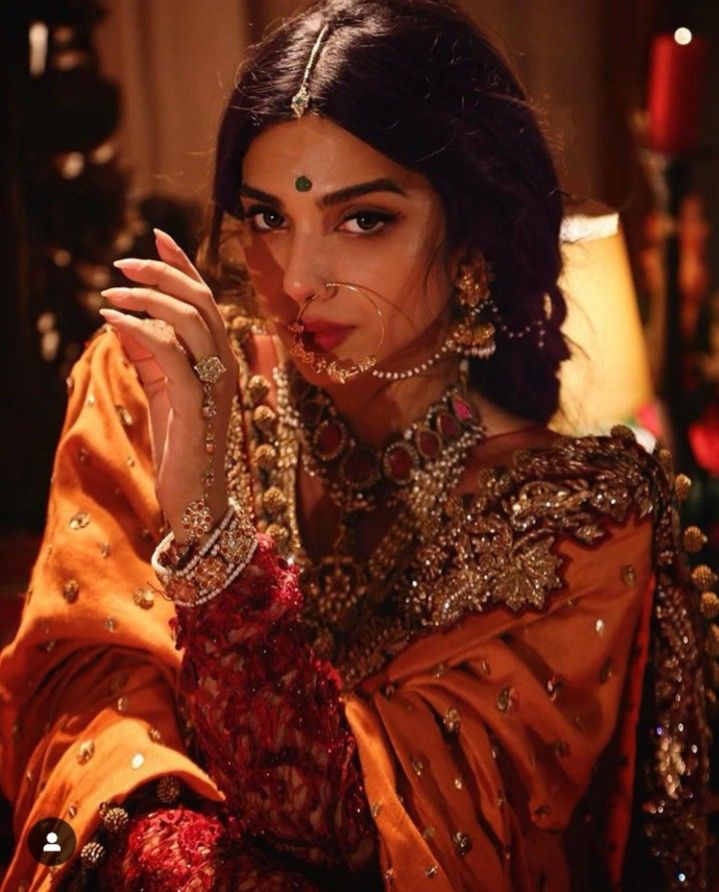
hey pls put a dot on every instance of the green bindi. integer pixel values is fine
(303, 184)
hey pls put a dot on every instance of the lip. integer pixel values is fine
(328, 338)
(322, 327)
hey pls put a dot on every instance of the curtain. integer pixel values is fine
(175, 61)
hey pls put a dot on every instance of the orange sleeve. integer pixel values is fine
(89, 707)
(478, 743)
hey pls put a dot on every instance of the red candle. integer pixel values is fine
(675, 85)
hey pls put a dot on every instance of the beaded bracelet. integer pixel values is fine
(217, 563)
(175, 558)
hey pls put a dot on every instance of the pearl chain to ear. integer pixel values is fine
(510, 333)
(519, 332)
(422, 367)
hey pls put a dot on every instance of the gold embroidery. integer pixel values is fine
(497, 547)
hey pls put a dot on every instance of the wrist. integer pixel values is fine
(217, 503)
(195, 573)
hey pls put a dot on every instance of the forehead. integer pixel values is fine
(322, 150)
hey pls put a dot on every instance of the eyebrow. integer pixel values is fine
(325, 201)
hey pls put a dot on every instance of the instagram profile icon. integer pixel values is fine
(51, 841)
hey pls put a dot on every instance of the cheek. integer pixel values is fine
(265, 272)
(408, 283)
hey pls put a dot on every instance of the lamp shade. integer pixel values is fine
(610, 380)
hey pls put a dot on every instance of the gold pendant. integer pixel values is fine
(339, 583)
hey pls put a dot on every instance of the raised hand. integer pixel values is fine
(185, 327)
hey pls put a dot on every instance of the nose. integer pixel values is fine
(302, 274)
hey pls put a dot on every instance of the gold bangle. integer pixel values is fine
(218, 563)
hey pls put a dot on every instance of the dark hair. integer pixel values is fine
(418, 81)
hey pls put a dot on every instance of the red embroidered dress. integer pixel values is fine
(271, 723)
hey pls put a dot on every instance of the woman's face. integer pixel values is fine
(382, 236)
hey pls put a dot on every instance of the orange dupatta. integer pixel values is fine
(87, 685)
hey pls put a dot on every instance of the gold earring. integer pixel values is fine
(473, 281)
(473, 337)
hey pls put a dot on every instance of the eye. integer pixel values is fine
(370, 222)
(270, 217)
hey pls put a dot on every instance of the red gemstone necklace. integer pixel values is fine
(359, 471)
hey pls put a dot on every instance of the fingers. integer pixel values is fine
(164, 359)
(170, 251)
(152, 379)
(185, 318)
(175, 275)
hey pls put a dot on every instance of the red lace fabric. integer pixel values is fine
(270, 721)
(177, 848)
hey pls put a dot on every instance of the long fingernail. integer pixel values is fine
(167, 240)
(128, 263)
(165, 237)
(116, 293)
(113, 314)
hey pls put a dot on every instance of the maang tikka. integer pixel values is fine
(301, 99)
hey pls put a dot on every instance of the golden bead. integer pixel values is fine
(241, 326)
(258, 387)
(703, 577)
(682, 485)
(168, 789)
(115, 820)
(265, 418)
(92, 854)
(623, 432)
(279, 533)
(274, 500)
(694, 539)
(265, 456)
(709, 604)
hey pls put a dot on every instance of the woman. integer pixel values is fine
(417, 625)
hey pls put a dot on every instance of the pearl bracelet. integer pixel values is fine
(218, 563)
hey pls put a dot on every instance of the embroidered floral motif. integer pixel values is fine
(497, 548)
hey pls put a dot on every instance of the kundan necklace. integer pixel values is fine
(359, 470)
(422, 465)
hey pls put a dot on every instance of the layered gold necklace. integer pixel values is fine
(421, 467)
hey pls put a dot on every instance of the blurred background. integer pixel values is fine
(108, 117)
